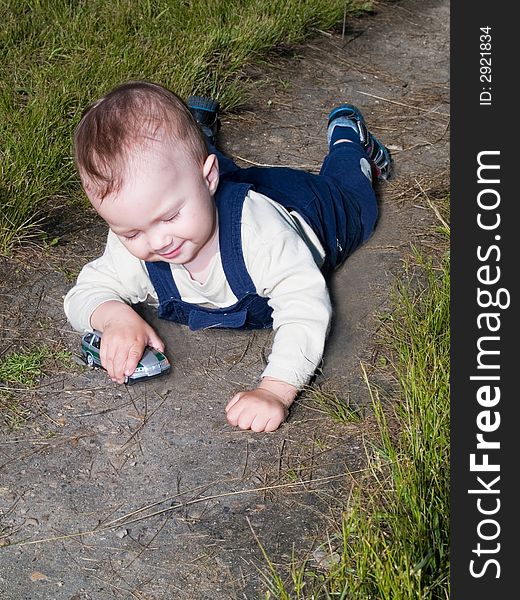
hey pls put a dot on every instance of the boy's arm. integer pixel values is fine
(116, 276)
(283, 269)
(301, 317)
(100, 300)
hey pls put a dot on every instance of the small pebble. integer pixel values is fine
(122, 533)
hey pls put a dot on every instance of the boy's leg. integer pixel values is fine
(205, 112)
(339, 203)
(347, 168)
(355, 158)
(347, 123)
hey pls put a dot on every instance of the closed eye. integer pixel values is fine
(130, 236)
(172, 218)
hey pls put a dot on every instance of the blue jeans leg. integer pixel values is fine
(347, 165)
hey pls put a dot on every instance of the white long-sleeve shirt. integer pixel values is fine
(282, 255)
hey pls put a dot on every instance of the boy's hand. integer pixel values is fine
(263, 409)
(125, 336)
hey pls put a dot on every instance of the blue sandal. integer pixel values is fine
(377, 153)
(205, 112)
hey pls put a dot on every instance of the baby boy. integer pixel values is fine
(214, 245)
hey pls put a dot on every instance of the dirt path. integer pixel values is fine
(96, 457)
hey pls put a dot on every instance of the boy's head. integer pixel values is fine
(144, 165)
(130, 117)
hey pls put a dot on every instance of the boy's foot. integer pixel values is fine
(348, 115)
(205, 112)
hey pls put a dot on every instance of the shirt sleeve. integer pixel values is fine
(282, 265)
(116, 275)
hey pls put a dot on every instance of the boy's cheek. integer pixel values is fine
(137, 250)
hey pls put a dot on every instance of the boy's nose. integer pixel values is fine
(160, 241)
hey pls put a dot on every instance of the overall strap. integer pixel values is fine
(162, 280)
(230, 201)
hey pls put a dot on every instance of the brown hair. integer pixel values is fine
(131, 113)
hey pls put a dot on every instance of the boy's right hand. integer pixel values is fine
(125, 336)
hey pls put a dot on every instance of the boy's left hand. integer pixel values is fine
(262, 409)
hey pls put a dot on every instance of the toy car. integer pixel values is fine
(152, 364)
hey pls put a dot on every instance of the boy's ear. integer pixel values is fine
(210, 173)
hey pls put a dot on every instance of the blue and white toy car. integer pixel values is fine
(152, 364)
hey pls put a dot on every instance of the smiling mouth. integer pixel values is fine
(173, 253)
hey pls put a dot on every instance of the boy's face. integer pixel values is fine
(165, 209)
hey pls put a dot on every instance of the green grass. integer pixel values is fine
(393, 541)
(56, 56)
(339, 409)
(18, 370)
(22, 368)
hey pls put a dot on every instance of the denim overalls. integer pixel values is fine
(339, 204)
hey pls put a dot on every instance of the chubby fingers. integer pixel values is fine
(235, 411)
(135, 352)
(154, 341)
(241, 415)
(255, 411)
(120, 360)
(233, 401)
